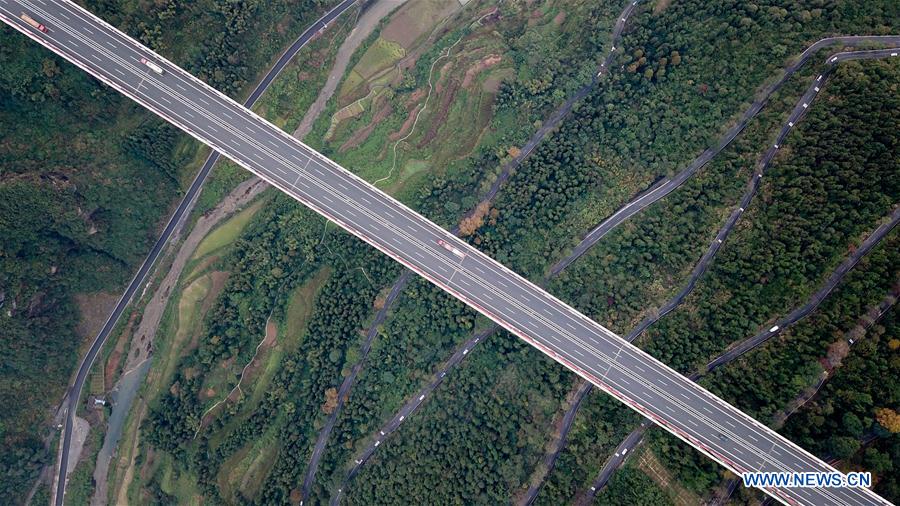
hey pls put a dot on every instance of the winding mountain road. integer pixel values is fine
(548, 125)
(746, 345)
(73, 394)
(627, 373)
(667, 185)
(657, 192)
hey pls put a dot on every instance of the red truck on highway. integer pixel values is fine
(28, 19)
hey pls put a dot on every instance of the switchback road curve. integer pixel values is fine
(668, 185)
(693, 414)
(552, 121)
(74, 392)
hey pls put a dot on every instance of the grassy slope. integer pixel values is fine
(665, 150)
(82, 192)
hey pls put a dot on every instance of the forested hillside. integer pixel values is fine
(642, 125)
(829, 218)
(229, 428)
(85, 178)
(210, 447)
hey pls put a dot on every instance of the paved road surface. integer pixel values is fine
(74, 393)
(746, 345)
(687, 410)
(667, 185)
(552, 121)
(549, 460)
(346, 385)
(559, 114)
(753, 187)
(801, 312)
(615, 460)
(408, 408)
(799, 110)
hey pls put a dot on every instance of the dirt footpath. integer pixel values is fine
(140, 344)
(239, 197)
(365, 25)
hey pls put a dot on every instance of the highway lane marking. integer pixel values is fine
(188, 113)
(117, 71)
(179, 86)
(228, 116)
(204, 101)
(164, 99)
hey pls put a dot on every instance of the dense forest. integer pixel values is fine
(837, 181)
(767, 380)
(282, 248)
(85, 180)
(842, 419)
(304, 380)
(549, 189)
(683, 75)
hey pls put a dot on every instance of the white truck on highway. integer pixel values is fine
(452, 249)
(153, 66)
